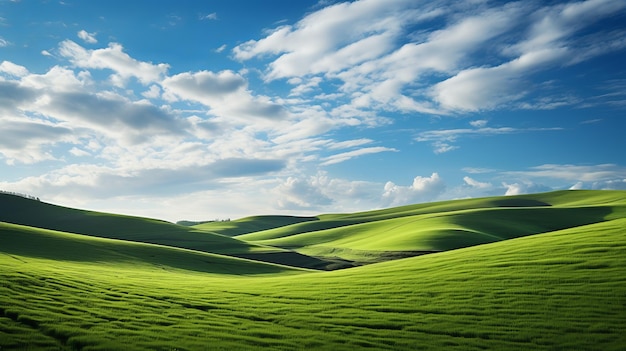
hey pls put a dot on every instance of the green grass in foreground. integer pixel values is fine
(564, 290)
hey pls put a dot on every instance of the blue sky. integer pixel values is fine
(222, 109)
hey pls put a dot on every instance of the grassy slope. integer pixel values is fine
(251, 224)
(18, 210)
(557, 291)
(29, 242)
(377, 235)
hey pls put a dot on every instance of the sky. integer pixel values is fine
(203, 110)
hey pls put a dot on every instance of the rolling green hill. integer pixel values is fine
(28, 212)
(28, 242)
(252, 224)
(412, 230)
(564, 290)
(538, 272)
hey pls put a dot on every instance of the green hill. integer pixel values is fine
(412, 230)
(28, 212)
(252, 224)
(562, 290)
(27, 242)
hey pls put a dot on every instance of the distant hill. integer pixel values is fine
(252, 224)
(374, 236)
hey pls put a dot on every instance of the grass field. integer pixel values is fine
(563, 289)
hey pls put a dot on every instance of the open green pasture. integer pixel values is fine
(538, 272)
(563, 290)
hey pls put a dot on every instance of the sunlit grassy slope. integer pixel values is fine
(252, 224)
(410, 230)
(564, 290)
(28, 242)
(18, 210)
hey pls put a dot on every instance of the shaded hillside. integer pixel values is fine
(24, 243)
(28, 212)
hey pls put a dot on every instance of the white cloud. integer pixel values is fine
(349, 143)
(524, 188)
(546, 45)
(4, 42)
(476, 184)
(27, 141)
(113, 58)
(345, 156)
(129, 122)
(13, 69)
(58, 79)
(442, 139)
(477, 170)
(89, 38)
(478, 123)
(322, 193)
(313, 46)
(221, 48)
(577, 186)
(423, 189)
(153, 93)
(437, 71)
(300, 194)
(224, 92)
(440, 147)
(487, 88)
(578, 173)
(205, 87)
(613, 184)
(210, 16)
(79, 152)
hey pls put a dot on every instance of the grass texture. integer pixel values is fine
(562, 289)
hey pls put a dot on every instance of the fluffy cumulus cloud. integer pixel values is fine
(225, 93)
(113, 58)
(13, 69)
(423, 189)
(89, 38)
(475, 183)
(323, 193)
(524, 188)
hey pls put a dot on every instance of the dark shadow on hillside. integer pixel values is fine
(295, 259)
(517, 202)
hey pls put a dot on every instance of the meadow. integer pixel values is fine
(544, 281)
